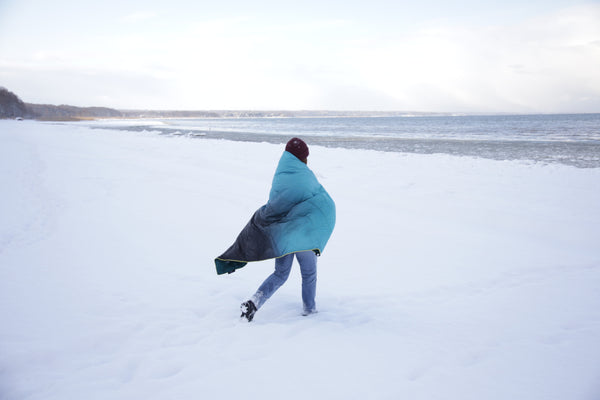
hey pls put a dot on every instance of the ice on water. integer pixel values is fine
(571, 139)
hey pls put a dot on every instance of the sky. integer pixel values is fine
(535, 56)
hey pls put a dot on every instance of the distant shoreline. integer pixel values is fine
(73, 114)
(12, 107)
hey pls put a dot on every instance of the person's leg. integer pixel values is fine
(308, 268)
(283, 266)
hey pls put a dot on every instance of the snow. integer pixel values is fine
(446, 277)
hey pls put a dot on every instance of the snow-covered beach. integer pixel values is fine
(446, 277)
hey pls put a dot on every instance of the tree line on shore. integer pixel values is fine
(12, 107)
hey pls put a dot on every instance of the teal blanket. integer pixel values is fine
(299, 216)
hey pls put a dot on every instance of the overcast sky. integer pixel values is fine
(426, 55)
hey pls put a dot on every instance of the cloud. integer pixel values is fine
(139, 16)
(532, 66)
(543, 64)
(86, 87)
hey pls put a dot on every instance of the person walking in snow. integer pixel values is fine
(296, 222)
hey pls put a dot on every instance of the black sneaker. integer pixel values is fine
(248, 310)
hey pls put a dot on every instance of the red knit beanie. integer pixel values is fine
(298, 148)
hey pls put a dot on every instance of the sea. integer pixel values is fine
(571, 139)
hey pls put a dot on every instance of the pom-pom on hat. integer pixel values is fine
(298, 148)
